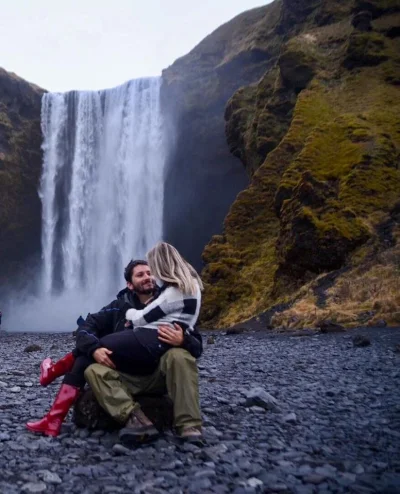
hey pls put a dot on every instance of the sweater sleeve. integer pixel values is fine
(171, 300)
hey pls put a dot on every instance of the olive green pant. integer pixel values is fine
(176, 374)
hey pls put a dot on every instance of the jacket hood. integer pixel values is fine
(122, 292)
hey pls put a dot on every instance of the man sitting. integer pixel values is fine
(176, 374)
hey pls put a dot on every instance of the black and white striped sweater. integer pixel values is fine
(171, 306)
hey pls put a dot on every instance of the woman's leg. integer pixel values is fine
(50, 371)
(75, 376)
(50, 424)
(73, 382)
(128, 354)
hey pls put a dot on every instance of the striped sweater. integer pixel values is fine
(171, 306)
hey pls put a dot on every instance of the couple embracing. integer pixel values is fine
(145, 341)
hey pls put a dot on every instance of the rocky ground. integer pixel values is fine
(335, 425)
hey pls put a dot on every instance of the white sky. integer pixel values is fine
(94, 44)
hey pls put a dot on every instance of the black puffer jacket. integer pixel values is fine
(111, 319)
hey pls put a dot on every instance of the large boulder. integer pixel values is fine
(88, 413)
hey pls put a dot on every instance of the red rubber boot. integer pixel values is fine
(50, 371)
(50, 425)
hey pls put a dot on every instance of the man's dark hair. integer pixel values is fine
(128, 271)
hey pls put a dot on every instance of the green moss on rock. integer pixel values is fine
(297, 64)
(322, 190)
(368, 49)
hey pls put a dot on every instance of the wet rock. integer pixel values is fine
(254, 482)
(34, 487)
(32, 348)
(119, 449)
(214, 452)
(235, 330)
(259, 397)
(362, 21)
(290, 418)
(359, 469)
(314, 478)
(49, 477)
(331, 327)
(361, 341)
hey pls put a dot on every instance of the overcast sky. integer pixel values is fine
(93, 44)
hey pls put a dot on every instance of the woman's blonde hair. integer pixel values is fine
(168, 265)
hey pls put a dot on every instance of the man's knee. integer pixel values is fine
(96, 370)
(178, 357)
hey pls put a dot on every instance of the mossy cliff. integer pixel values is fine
(20, 167)
(320, 138)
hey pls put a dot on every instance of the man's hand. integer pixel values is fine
(173, 337)
(101, 357)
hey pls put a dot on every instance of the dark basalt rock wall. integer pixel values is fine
(20, 168)
(203, 177)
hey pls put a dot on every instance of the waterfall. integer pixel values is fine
(101, 190)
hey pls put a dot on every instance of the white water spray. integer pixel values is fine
(102, 196)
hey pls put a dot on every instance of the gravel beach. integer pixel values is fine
(282, 413)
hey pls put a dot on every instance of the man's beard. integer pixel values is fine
(143, 291)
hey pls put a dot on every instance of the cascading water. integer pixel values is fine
(102, 193)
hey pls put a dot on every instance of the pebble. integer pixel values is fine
(49, 477)
(259, 397)
(337, 428)
(34, 487)
(254, 482)
(290, 418)
(313, 478)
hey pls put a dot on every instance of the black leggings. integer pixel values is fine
(76, 375)
(128, 355)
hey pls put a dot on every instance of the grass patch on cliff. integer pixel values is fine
(365, 294)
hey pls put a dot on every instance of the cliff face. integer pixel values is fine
(203, 177)
(20, 166)
(319, 136)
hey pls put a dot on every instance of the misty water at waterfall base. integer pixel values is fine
(102, 190)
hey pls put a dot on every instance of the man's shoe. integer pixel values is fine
(192, 435)
(138, 429)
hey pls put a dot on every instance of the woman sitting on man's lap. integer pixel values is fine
(136, 350)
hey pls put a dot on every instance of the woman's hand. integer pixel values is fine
(101, 357)
(173, 337)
